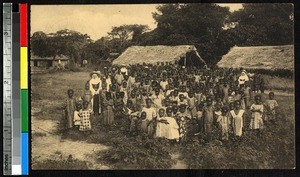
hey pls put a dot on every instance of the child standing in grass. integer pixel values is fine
(182, 119)
(77, 119)
(150, 117)
(237, 121)
(208, 117)
(223, 122)
(85, 116)
(271, 105)
(107, 109)
(87, 95)
(257, 110)
(70, 108)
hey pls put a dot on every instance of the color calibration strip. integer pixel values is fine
(24, 88)
(15, 89)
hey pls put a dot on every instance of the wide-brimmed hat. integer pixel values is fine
(95, 72)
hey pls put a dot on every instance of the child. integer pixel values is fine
(208, 117)
(151, 115)
(237, 121)
(119, 105)
(199, 117)
(77, 120)
(257, 110)
(144, 122)
(161, 127)
(87, 95)
(134, 120)
(192, 104)
(107, 108)
(157, 99)
(124, 89)
(223, 122)
(182, 119)
(85, 115)
(271, 105)
(173, 133)
(247, 93)
(182, 100)
(70, 108)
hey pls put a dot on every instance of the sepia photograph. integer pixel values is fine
(162, 86)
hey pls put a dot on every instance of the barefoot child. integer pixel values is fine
(77, 120)
(70, 108)
(223, 122)
(150, 117)
(182, 119)
(85, 115)
(257, 110)
(107, 109)
(271, 105)
(237, 121)
(208, 116)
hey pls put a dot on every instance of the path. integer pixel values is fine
(180, 164)
(47, 145)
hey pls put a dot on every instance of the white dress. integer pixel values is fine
(256, 118)
(237, 122)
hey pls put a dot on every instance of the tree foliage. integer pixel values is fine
(263, 24)
(211, 28)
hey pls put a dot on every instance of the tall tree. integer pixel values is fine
(263, 24)
(190, 24)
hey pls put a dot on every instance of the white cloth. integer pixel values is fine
(94, 81)
(243, 78)
(237, 122)
(150, 113)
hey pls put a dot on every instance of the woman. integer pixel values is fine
(95, 87)
(243, 78)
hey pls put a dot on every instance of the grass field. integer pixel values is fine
(275, 148)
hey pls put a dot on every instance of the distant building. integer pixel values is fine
(185, 55)
(47, 62)
(259, 57)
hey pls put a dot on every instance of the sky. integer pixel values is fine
(94, 20)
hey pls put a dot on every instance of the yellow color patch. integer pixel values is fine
(24, 68)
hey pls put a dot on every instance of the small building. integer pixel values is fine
(47, 62)
(259, 57)
(185, 55)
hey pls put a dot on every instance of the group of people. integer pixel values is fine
(173, 102)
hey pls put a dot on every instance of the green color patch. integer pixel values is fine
(24, 109)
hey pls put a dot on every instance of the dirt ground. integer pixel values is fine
(46, 144)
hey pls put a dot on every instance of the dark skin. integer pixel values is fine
(70, 93)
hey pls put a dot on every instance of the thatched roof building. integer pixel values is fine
(259, 57)
(183, 54)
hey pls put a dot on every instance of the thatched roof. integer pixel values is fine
(154, 54)
(259, 57)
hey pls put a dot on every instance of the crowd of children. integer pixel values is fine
(173, 102)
